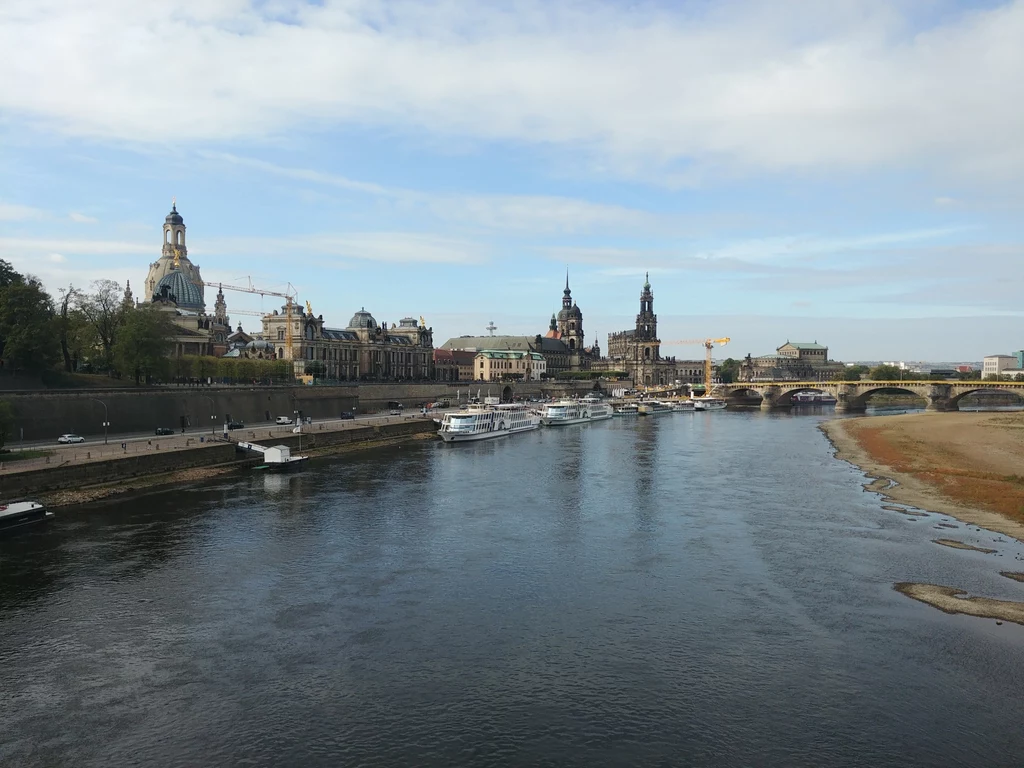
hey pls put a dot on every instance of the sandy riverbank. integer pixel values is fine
(967, 465)
(952, 600)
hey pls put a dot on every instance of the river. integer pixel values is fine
(691, 589)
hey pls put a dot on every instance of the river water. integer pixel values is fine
(692, 589)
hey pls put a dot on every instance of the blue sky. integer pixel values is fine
(847, 172)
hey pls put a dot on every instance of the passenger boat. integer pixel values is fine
(566, 412)
(21, 514)
(683, 406)
(480, 422)
(708, 404)
(627, 409)
(654, 408)
(813, 398)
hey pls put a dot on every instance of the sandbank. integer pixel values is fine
(966, 465)
(950, 600)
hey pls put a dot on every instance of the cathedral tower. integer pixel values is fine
(570, 320)
(647, 325)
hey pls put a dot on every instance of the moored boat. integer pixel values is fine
(627, 410)
(654, 408)
(22, 514)
(808, 397)
(565, 412)
(481, 422)
(683, 406)
(708, 404)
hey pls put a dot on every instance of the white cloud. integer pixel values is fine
(519, 213)
(10, 212)
(29, 245)
(734, 87)
(81, 218)
(57, 258)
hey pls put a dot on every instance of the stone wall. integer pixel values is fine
(59, 477)
(45, 415)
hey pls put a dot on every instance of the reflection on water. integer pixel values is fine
(691, 589)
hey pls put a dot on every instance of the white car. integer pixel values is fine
(284, 420)
(68, 439)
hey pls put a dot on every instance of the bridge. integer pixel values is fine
(852, 396)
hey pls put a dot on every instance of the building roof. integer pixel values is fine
(185, 293)
(521, 343)
(508, 354)
(803, 345)
(336, 334)
(174, 217)
(362, 319)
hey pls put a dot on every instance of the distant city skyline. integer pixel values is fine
(844, 172)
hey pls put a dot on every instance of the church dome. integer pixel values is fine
(186, 294)
(362, 319)
(174, 217)
(259, 344)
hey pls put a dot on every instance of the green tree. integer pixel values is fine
(27, 326)
(143, 342)
(728, 371)
(106, 312)
(852, 373)
(972, 375)
(886, 373)
(6, 422)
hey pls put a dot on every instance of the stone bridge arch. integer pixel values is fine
(954, 400)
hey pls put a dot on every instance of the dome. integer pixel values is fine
(259, 344)
(174, 217)
(362, 319)
(185, 293)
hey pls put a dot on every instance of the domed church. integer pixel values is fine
(176, 287)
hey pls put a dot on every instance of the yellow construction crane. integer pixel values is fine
(289, 297)
(708, 345)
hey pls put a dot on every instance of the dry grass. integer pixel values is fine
(972, 459)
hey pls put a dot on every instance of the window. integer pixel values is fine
(280, 334)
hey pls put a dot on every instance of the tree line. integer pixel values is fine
(93, 331)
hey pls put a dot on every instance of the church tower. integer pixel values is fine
(220, 309)
(570, 320)
(173, 258)
(649, 346)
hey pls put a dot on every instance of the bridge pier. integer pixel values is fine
(848, 407)
(941, 405)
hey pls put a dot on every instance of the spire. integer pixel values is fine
(174, 205)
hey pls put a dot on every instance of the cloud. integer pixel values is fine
(389, 247)
(9, 212)
(521, 213)
(681, 92)
(57, 258)
(81, 218)
(29, 245)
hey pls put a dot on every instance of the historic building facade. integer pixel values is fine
(364, 350)
(793, 361)
(562, 347)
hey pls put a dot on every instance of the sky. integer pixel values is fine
(847, 172)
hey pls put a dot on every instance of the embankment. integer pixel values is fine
(968, 465)
(169, 465)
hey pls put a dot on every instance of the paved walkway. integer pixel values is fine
(97, 451)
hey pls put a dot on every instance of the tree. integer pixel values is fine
(728, 371)
(106, 312)
(6, 422)
(852, 373)
(886, 373)
(143, 341)
(8, 275)
(66, 322)
(972, 375)
(27, 326)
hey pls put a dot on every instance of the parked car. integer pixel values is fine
(348, 414)
(164, 431)
(236, 425)
(284, 420)
(68, 439)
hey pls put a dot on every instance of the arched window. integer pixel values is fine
(177, 237)
(167, 237)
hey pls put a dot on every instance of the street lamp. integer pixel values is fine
(106, 419)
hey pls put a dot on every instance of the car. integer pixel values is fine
(236, 425)
(164, 431)
(394, 412)
(348, 414)
(284, 420)
(68, 439)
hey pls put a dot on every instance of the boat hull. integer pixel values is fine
(17, 517)
(470, 437)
